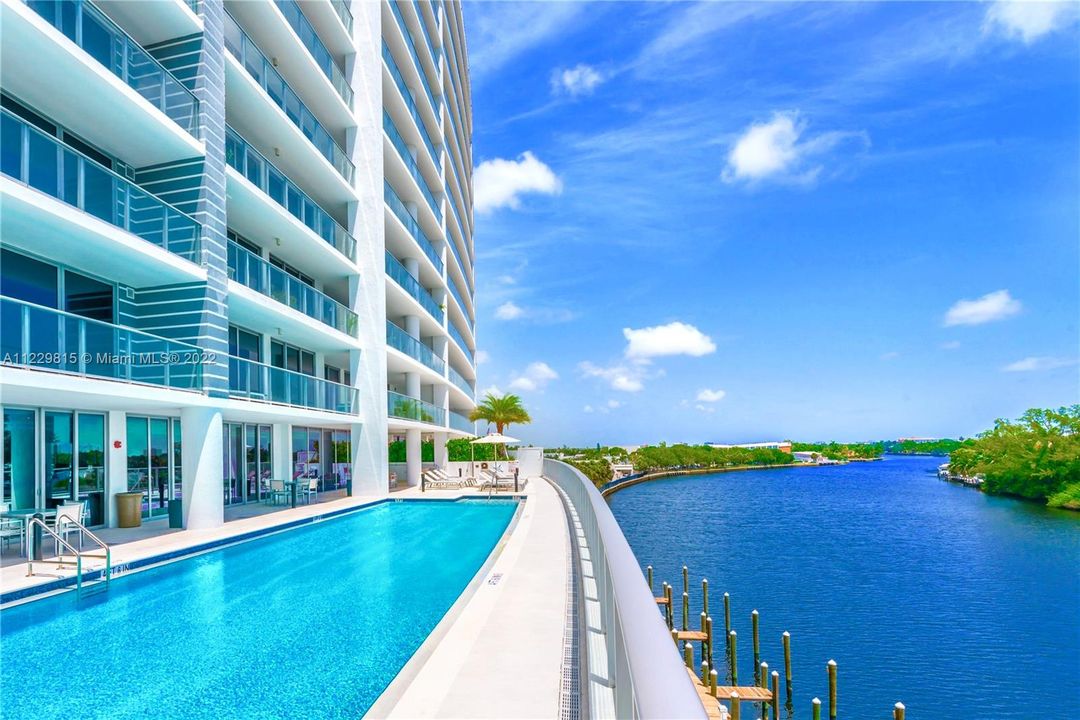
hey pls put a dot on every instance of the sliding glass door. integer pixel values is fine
(246, 462)
(153, 445)
(20, 457)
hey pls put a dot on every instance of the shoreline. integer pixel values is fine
(660, 474)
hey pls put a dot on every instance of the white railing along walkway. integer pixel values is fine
(629, 654)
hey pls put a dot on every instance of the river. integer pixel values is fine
(959, 604)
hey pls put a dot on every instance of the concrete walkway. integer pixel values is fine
(501, 656)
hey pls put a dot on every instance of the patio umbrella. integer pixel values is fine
(489, 439)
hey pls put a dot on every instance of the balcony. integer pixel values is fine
(405, 343)
(465, 309)
(412, 286)
(70, 62)
(402, 213)
(256, 381)
(462, 384)
(319, 53)
(407, 408)
(341, 7)
(261, 173)
(421, 70)
(460, 227)
(42, 338)
(462, 423)
(254, 272)
(410, 103)
(284, 97)
(41, 162)
(403, 152)
(427, 35)
(456, 334)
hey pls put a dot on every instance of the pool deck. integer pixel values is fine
(498, 653)
(501, 655)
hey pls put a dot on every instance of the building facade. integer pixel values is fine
(236, 248)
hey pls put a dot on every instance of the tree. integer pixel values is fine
(501, 411)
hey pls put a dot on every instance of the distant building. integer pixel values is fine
(918, 439)
(781, 445)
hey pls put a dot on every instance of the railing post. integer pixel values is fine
(82, 348)
(24, 341)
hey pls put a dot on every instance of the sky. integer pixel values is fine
(737, 222)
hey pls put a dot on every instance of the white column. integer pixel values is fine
(204, 502)
(116, 468)
(281, 467)
(412, 385)
(413, 464)
(412, 325)
(440, 398)
(441, 454)
(412, 266)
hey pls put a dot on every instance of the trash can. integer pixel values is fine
(176, 513)
(129, 509)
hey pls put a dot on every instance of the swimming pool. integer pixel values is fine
(312, 622)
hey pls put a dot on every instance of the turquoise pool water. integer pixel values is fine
(310, 623)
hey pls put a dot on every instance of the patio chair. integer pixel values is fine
(437, 478)
(309, 490)
(67, 517)
(10, 528)
(277, 492)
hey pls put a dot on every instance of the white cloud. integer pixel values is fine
(1034, 364)
(675, 338)
(951, 345)
(705, 408)
(588, 409)
(482, 357)
(614, 404)
(490, 390)
(579, 80)
(997, 305)
(535, 377)
(499, 32)
(710, 396)
(776, 150)
(508, 311)
(623, 378)
(1028, 20)
(506, 279)
(499, 183)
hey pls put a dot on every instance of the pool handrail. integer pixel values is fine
(649, 678)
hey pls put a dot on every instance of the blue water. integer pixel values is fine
(310, 623)
(959, 604)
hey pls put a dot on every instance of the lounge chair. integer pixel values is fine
(437, 478)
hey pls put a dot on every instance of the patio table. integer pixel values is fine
(23, 515)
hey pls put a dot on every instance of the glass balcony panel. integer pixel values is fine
(71, 177)
(256, 273)
(409, 43)
(464, 385)
(344, 13)
(456, 334)
(261, 173)
(410, 102)
(410, 162)
(103, 40)
(402, 341)
(279, 91)
(44, 338)
(310, 40)
(403, 406)
(257, 381)
(410, 223)
(462, 423)
(401, 276)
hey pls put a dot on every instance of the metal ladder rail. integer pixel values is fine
(78, 554)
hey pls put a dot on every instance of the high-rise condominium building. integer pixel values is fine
(237, 249)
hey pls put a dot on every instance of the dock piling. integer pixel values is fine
(705, 596)
(757, 643)
(685, 610)
(669, 610)
(733, 657)
(727, 629)
(734, 706)
(787, 672)
(815, 712)
(705, 673)
(708, 637)
(688, 655)
(685, 579)
(764, 683)
(713, 675)
(775, 695)
(648, 574)
(832, 690)
(898, 711)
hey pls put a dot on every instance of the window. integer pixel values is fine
(26, 279)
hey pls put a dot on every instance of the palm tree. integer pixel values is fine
(502, 411)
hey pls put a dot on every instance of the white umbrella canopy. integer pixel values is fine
(494, 439)
(491, 439)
